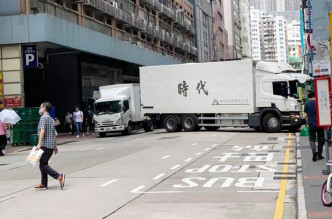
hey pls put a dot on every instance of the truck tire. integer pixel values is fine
(271, 123)
(211, 128)
(171, 123)
(188, 122)
(102, 134)
(128, 130)
(148, 126)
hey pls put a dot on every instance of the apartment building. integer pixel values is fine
(83, 44)
(220, 33)
(204, 29)
(255, 30)
(233, 26)
(294, 39)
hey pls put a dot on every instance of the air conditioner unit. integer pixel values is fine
(114, 4)
(139, 44)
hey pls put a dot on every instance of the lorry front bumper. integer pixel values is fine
(117, 128)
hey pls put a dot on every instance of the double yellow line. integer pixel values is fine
(282, 192)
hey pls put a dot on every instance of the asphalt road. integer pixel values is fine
(220, 174)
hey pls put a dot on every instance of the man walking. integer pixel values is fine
(46, 142)
(310, 113)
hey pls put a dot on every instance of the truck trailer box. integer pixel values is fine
(217, 87)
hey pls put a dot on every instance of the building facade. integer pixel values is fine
(220, 33)
(81, 45)
(233, 27)
(204, 30)
(294, 39)
(255, 30)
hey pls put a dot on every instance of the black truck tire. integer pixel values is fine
(171, 123)
(188, 122)
(271, 123)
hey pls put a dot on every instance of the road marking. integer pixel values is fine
(259, 191)
(137, 190)
(282, 191)
(159, 176)
(109, 182)
(189, 159)
(199, 153)
(138, 139)
(214, 135)
(214, 145)
(164, 157)
(99, 149)
(176, 166)
(194, 144)
(206, 149)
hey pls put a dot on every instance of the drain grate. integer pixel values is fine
(285, 178)
(288, 173)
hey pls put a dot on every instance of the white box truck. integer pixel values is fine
(118, 110)
(243, 93)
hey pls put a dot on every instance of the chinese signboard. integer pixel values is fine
(13, 101)
(323, 103)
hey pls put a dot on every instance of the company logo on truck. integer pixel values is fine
(184, 87)
(230, 101)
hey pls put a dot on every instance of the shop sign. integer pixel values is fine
(15, 101)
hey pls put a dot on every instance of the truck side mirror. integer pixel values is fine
(125, 105)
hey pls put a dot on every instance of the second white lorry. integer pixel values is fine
(118, 110)
(242, 93)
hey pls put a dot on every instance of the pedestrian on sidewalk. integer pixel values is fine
(78, 118)
(310, 114)
(89, 121)
(46, 142)
(68, 121)
(3, 138)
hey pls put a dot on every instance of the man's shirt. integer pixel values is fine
(47, 124)
(310, 110)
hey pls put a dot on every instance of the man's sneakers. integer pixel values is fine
(61, 179)
(314, 156)
(41, 186)
(320, 157)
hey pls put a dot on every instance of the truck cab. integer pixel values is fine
(118, 110)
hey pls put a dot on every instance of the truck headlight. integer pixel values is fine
(119, 121)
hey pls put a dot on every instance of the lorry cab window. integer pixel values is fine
(293, 89)
(279, 87)
(108, 107)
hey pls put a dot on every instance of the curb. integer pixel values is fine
(301, 206)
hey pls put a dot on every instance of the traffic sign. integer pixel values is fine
(30, 56)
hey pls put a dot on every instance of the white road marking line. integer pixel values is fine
(175, 167)
(109, 182)
(189, 159)
(214, 135)
(164, 157)
(159, 176)
(99, 149)
(138, 139)
(206, 149)
(194, 144)
(137, 189)
(214, 145)
(199, 153)
(258, 191)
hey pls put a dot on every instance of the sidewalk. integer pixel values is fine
(311, 174)
(61, 139)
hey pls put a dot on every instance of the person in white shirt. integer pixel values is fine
(78, 119)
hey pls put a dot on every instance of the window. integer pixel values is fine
(278, 86)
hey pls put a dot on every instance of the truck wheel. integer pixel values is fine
(211, 128)
(271, 123)
(188, 122)
(102, 134)
(128, 130)
(171, 123)
(148, 126)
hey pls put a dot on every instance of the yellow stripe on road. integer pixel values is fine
(282, 192)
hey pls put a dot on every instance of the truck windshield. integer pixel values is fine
(108, 107)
